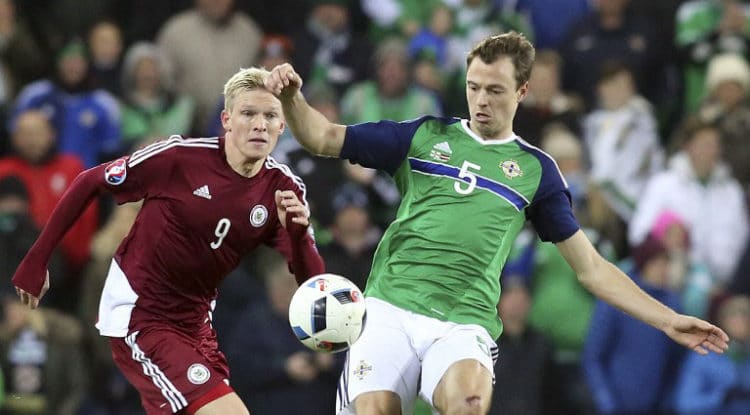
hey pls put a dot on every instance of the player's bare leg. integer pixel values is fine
(378, 403)
(229, 404)
(464, 389)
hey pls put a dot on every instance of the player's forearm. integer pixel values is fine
(31, 273)
(306, 261)
(311, 128)
(608, 283)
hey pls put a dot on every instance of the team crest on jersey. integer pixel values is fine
(116, 172)
(198, 374)
(258, 215)
(511, 169)
(441, 151)
(362, 370)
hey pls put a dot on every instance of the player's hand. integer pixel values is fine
(287, 204)
(697, 335)
(284, 81)
(29, 299)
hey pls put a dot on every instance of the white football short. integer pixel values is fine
(407, 353)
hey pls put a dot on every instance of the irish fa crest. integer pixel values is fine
(258, 215)
(362, 370)
(511, 169)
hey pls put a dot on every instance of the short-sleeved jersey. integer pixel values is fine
(464, 200)
(199, 218)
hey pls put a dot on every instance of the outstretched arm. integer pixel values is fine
(610, 284)
(316, 133)
(31, 278)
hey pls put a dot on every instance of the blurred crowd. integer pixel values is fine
(644, 104)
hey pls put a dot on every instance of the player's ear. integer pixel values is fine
(523, 91)
(225, 120)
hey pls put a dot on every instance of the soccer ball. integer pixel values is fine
(327, 313)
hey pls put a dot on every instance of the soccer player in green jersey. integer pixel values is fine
(467, 187)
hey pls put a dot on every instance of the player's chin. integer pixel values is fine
(255, 152)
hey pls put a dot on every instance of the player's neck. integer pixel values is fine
(241, 164)
(484, 135)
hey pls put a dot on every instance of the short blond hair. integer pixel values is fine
(246, 79)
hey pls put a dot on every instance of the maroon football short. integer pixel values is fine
(170, 369)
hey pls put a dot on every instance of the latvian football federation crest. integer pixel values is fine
(441, 151)
(511, 169)
(258, 215)
(198, 374)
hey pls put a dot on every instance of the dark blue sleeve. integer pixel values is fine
(551, 210)
(380, 145)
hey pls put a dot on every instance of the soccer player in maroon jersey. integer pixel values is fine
(206, 203)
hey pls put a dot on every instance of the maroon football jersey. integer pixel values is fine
(199, 218)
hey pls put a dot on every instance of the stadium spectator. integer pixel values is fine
(630, 367)
(211, 32)
(546, 103)
(87, 120)
(611, 31)
(550, 19)
(526, 380)
(699, 187)
(704, 29)
(106, 47)
(42, 360)
(354, 237)
(391, 96)
(688, 275)
(727, 105)
(47, 175)
(151, 107)
(23, 59)
(327, 50)
(720, 384)
(622, 140)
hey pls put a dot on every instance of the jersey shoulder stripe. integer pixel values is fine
(543, 157)
(505, 192)
(271, 163)
(149, 151)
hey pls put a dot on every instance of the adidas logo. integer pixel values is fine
(444, 147)
(202, 192)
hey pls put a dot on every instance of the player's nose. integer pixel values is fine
(259, 124)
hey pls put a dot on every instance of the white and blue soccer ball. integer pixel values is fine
(327, 313)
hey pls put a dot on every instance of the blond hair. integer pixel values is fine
(246, 79)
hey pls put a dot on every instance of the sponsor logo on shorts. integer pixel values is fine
(362, 370)
(198, 374)
(116, 172)
(258, 215)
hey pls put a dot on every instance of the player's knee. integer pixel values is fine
(466, 405)
(378, 403)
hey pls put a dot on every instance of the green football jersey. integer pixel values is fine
(464, 201)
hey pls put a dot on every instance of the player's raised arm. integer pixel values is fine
(310, 127)
(610, 284)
